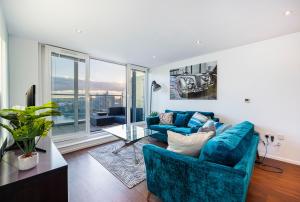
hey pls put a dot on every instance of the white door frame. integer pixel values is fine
(46, 75)
(130, 67)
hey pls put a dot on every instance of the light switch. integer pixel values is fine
(247, 100)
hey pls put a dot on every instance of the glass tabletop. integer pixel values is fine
(129, 132)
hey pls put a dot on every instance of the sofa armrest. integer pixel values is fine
(152, 120)
(176, 177)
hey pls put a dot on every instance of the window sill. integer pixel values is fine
(84, 142)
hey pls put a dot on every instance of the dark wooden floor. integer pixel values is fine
(90, 182)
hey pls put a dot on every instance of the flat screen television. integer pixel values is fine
(30, 96)
(30, 101)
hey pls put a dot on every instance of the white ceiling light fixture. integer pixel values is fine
(154, 57)
(198, 42)
(287, 13)
(79, 31)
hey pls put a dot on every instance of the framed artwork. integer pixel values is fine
(194, 82)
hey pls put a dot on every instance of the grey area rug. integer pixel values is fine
(123, 164)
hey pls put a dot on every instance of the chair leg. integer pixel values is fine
(148, 196)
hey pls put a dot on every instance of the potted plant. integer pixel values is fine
(27, 126)
(154, 114)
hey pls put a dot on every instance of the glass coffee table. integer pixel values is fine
(130, 134)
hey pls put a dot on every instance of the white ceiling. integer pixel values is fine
(132, 31)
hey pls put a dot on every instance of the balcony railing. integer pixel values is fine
(101, 103)
(98, 103)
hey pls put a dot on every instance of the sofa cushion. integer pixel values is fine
(181, 120)
(166, 118)
(207, 114)
(182, 130)
(230, 147)
(209, 125)
(190, 113)
(197, 120)
(161, 128)
(189, 145)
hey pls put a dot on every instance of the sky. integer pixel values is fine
(107, 72)
(99, 70)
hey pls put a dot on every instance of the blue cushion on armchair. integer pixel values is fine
(229, 148)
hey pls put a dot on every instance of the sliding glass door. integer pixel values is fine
(138, 91)
(92, 94)
(107, 94)
(69, 91)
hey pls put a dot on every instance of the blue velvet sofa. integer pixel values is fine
(222, 171)
(153, 124)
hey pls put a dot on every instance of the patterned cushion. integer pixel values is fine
(197, 120)
(166, 118)
(209, 125)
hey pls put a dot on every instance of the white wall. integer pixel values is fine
(3, 62)
(267, 72)
(23, 68)
(3, 69)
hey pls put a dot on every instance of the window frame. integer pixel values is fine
(46, 85)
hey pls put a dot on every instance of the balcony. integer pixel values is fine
(73, 117)
(107, 110)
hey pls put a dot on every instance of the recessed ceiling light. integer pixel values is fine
(287, 13)
(78, 31)
(153, 56)
(198, 42)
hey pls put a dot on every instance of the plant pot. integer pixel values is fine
(25, 163)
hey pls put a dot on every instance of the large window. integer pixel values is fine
(92, 94)
(107, 94)
(68, 86)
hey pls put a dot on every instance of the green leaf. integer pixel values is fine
(25, 125)
(49, 113)
(49, 105)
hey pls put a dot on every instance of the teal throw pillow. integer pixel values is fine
(181, 120)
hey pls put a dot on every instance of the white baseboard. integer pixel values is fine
(283, 159)
(261, 151)
(71, 147)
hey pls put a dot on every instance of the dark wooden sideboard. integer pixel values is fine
(48, 181)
